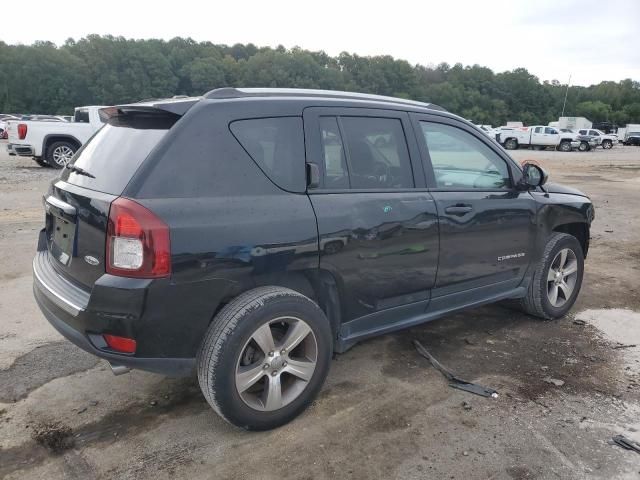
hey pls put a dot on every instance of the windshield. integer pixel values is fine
(109, 159)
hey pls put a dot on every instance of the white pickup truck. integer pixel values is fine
(541, 136)
(53, 143)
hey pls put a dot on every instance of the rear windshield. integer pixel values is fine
(115, 152)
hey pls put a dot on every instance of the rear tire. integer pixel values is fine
(59, 154)
(248, 355)
(511, 144)
(566, 282)
(584, 147)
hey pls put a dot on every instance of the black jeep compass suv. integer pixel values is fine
(250, 233)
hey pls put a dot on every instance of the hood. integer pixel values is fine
(557, 188)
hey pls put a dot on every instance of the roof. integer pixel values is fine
(227, 93)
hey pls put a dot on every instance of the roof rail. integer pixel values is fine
(230, 92)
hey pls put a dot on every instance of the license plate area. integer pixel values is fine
(61, 233)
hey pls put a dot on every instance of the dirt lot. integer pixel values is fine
(384, 412)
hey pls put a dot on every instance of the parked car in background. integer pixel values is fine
(249, 233)
(632, 138)
(53, 143)
(604, 140)
(540, 137)
(4, 118)
(630, 133)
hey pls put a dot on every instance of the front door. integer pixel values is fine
(487, 226)
(378, 232)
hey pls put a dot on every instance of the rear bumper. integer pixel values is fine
(20, 150)
(70, 311)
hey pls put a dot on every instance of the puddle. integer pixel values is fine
(621, 326)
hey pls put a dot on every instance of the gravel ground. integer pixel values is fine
(566, 387)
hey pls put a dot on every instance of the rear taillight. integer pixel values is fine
(22, 131)
(138, 242)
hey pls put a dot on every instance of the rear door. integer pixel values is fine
(377, 225)
(487, 226)
(77, 205)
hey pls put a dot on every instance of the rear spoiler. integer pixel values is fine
(175, 106)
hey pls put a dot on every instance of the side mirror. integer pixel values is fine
(533, 176)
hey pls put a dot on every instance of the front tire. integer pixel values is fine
(584, 147)
(265, 357)
(557, 278)
(59, 154)
(607, 144)
(565, 146)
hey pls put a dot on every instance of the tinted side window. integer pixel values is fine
(378, 156)
(460, 160)
(550, 130)
(538, 130)
(81, 116)
(336, 174)
(277, 146)
(582, 132)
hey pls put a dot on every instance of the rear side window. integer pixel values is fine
(277, 146)
(116, 151)
(365, 153)
(81, 116)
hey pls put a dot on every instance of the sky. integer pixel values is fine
(591, 40)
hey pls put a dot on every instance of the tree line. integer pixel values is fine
(106, 70)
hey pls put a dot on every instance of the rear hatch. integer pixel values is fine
(77, 206)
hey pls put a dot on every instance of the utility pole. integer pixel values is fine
(565, 96)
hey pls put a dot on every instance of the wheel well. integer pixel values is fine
(578, 230)
(318, 285)
(58, 138)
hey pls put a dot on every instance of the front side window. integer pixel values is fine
(377, 153)
(277, 147)
(550, 130)
(461, 161)
(594, 133)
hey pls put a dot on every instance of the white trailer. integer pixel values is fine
(574, 123)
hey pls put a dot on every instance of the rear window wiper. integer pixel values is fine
(79, 171)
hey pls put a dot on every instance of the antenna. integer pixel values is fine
(565, 96)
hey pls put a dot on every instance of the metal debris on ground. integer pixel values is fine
(454, 381)
(626, 443)
(621, 345)
(554, 381)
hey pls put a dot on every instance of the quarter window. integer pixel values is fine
(336, 174)
(460, 160)
(277, 146)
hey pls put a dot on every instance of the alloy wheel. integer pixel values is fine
(276, 364)
(62, 155)
(562, 277)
